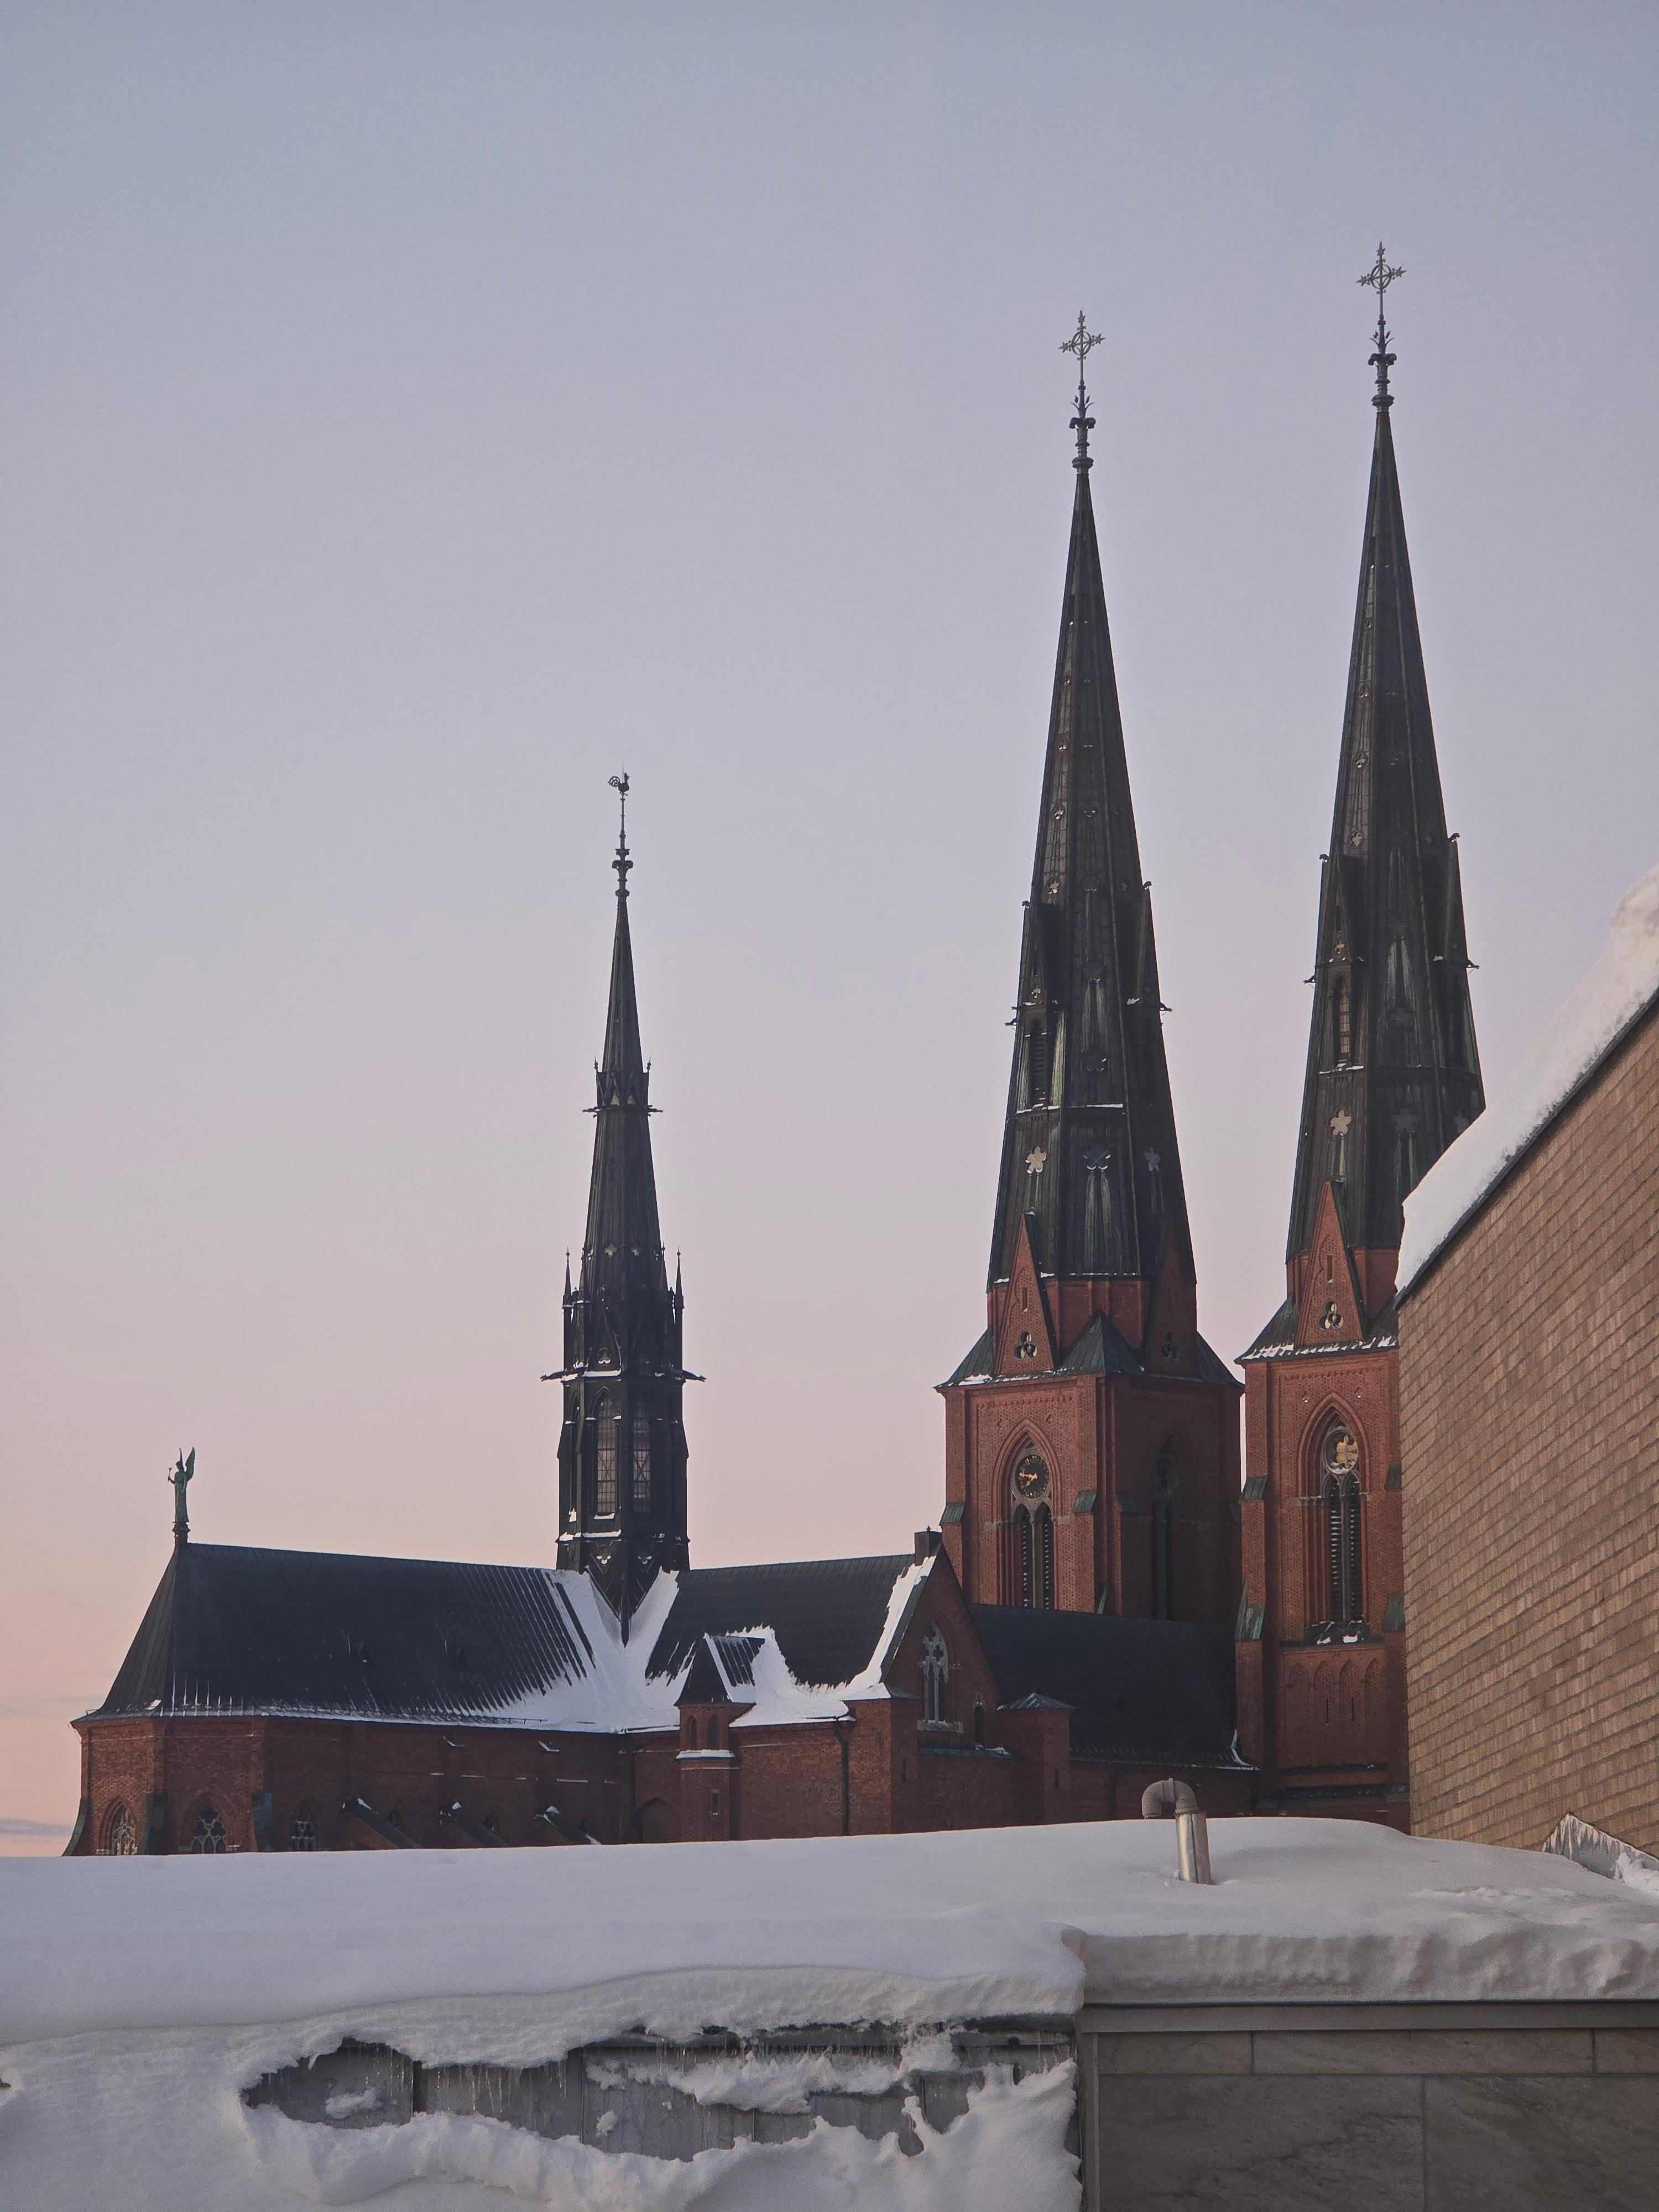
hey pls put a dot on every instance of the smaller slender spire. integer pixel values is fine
(1082, 342)
(1379, 278)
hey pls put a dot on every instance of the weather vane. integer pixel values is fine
(621, 864)
(1379, 279)
(1082, 342)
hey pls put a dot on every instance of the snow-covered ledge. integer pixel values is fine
(159, 2015)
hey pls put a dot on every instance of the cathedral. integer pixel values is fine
(1103, 1602)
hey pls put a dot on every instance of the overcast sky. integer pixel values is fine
(412, 414)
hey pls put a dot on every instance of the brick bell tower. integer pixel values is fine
(622, 1449)
(1392, 1077)
(1091, 1452)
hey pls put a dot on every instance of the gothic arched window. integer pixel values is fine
(605, 1461)
(120, 1834)
(302, 1831)
(935, 1675)
(208, 1835)
(1164, 1560)
(1339, 1506)
(641, 1476)
(1341, 1022)
(1033, 1533)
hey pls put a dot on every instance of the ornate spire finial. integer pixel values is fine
(1379, 279)
(621, 864)
(182, 1471)
(1082, 341)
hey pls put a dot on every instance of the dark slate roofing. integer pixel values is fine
(1100, 1350)
(231, 1629)
(1278, 1338)
(1392, 1071)
(704, 1684)
(828, 1614)
(1151, 1691)
(978, 1362)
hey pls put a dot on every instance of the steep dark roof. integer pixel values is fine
(978, 1362)
(827, 1614)
(1393, 1074)
(1100, 1350)
(1158, 1691)
(1089, 1144)
(235, 1630)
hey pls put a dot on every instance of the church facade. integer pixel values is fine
(1104, 1603)
(1065, 1637)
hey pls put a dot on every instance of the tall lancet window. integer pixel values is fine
(1164, 1543)
(1033, 1532)
(1405, 1162)
(935, 1676)
(1341, 1021)
(1097, 1209)
(606, 1424)
(1340, 1496)
(640, 1474)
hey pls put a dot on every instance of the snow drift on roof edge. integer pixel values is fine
(1620, 986)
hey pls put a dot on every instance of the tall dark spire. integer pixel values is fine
(622, 1451)
(1088, 1153)
(1393, 1074)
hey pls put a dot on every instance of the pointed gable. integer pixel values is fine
(1329, 1310)
(1025, 1337)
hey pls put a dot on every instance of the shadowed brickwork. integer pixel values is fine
(1529, 1412)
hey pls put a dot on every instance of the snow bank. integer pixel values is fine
(515, 1954)
(140, 1997)
(1621, 985)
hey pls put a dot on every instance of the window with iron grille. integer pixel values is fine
(605, 1462)
(641, 1457)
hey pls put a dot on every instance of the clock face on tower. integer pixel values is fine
(1030, 1478)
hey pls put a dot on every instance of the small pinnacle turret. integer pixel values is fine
(622, 1451)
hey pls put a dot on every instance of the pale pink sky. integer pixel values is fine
(412, 413)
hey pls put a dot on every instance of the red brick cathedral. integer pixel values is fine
(1080, 1623)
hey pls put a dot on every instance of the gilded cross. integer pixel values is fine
(1082, 342)
(1379, 279)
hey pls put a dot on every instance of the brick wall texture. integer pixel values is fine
(1530, 1432)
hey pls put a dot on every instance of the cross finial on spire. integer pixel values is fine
(1379, 279)
(1082, 342)
(621, 864)
(180, 1478)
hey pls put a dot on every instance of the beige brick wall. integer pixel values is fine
(1529, 1434)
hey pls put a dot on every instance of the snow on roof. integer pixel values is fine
(518, 1956)
(1619, 987)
